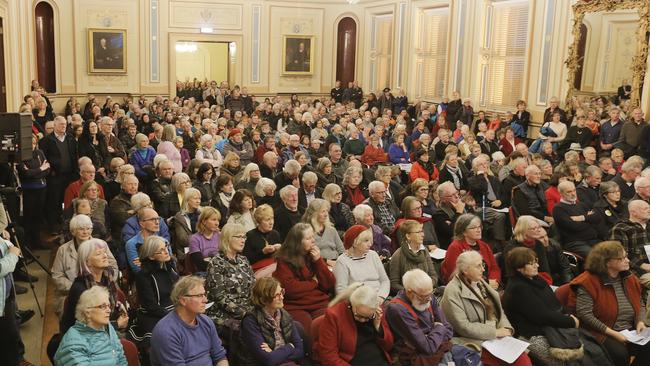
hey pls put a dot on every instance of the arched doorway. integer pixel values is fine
(346, 50)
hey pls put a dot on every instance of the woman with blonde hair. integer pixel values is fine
(249, 177)
(340, 213)
(205, 243)
(229, 280)
(263, 241)
(231, 166)
(185, 222)
(327, 238)
(410, 255)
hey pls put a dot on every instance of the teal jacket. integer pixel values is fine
(83, 345)
(7, 266)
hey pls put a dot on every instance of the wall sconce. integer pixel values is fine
(207, 30)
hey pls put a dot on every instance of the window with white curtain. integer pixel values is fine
(382, 48)
(506, 37)
(431, 53)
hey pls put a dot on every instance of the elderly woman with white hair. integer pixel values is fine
(64, 268)
(93, 268)
(249, 177)
(167, 147)
(353, 192)
(265, 192)
(154, 284)
(207, 153)
(325, 173)
(289, 176)
(474, 310)
(354, 331)
(91, 340)
(327, 238)
(142, 156)
(363, 215)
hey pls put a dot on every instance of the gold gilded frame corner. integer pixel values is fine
(638, 61)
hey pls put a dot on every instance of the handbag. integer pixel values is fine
(547, 131)
(565, 343)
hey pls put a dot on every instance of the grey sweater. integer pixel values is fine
(367, 269)
(329, 243)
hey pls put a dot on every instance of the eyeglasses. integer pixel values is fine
(423, 298)
(102, 307)
(279, 294)
(242, 236)
(363, 318)
(201, 295)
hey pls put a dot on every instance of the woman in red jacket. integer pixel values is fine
(468, 230)
(304, 275)
(374, 153)
(509, 141)
(423, 167)
(354, 331)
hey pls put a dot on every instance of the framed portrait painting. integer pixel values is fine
(297, 55)
(106, 51)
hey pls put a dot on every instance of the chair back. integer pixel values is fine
(131, 352)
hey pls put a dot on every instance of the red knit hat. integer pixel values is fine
(233, 132)
(351, 234)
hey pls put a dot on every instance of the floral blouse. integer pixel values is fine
(229, 283)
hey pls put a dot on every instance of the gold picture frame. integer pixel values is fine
(298, 55)
(107, 51)
(638, 61)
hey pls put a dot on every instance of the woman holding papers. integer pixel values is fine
(474, 309)
(531, 305)
(607, 298)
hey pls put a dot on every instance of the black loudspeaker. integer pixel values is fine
(15, 137)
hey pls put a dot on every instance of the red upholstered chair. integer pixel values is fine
(131, 352)
(562, 293)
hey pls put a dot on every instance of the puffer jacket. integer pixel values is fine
(83, 345)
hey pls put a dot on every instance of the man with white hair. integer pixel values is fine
(625, 180)
(385, 210)
(309, 190)
(290, 175)
(420, 327)
(87, 174)
(642, 189)
(269, 165)
(290, 151)
(60, 149)
(554, 107)
(528, 197)
(289, 213)
(114, 145)
(576, 224)
(588, 190)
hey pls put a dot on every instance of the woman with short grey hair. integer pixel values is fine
(265, 192)
(64, 268)
(363, 215)
(325, 173)
(91, 340)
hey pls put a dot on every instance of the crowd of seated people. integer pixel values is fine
(342, 230)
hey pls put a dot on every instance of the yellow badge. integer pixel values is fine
(608, 212)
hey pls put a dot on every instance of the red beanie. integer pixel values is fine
(233, 132)
(351, 234)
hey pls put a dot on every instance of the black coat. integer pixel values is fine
(302, 196)
(478, 188)
(48, 145)
(446, 176)
(531, 305)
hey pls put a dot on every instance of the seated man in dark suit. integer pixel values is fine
(309, 190)
(625, 180)
(289, 213)
(528, 197)
(588, 190)
(576, 224)
(449, 209)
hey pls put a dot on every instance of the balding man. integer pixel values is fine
(385, 210)
(60, 149)
(634, 234)
(577, 225)
(289, 213)
(450, 207)
(642, 189)
(149, 222)
(87, 174)
(114, 145)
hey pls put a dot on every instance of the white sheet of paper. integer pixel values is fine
(647, 250)
(503, 210)
(186, 250)
(634, 337)
(507, 349)
(208, 305)
(554, 288)
(438, 254)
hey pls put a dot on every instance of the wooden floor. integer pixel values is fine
(38, 330)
